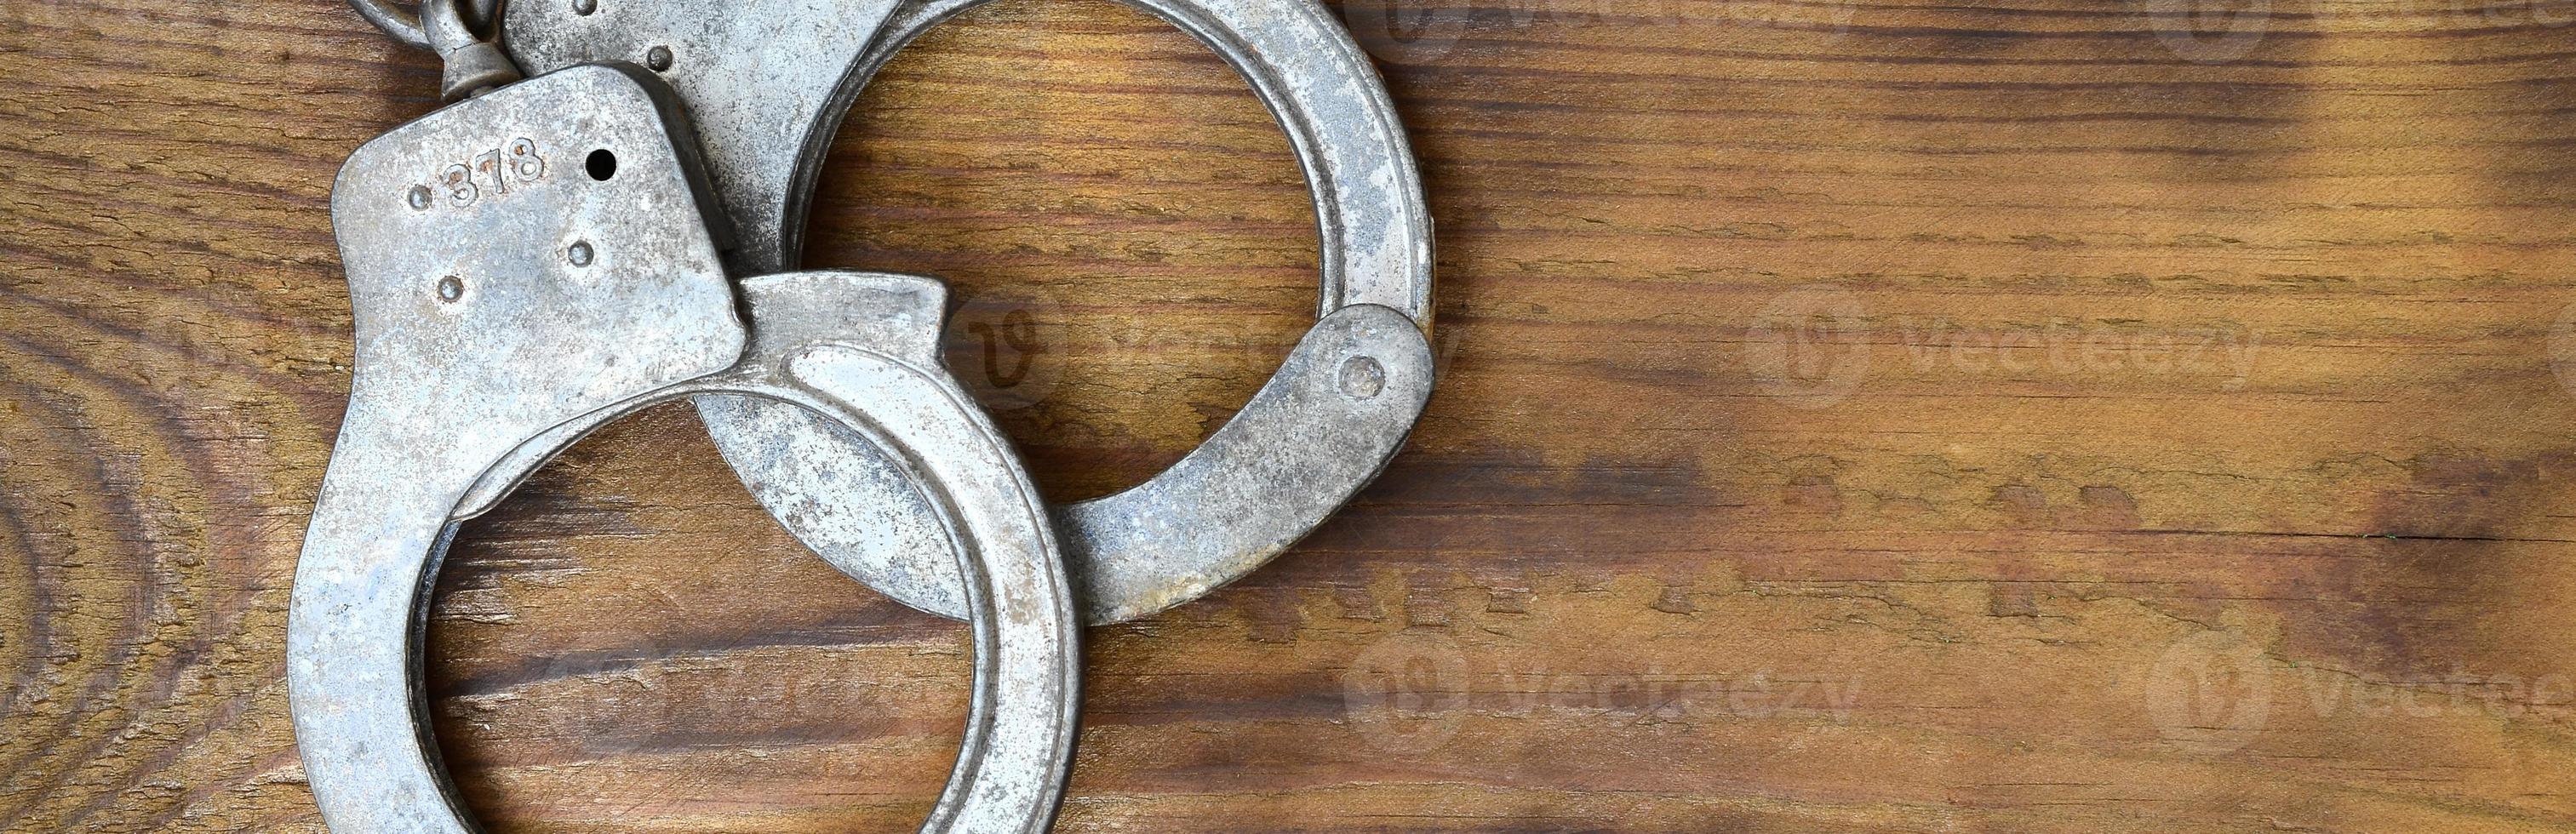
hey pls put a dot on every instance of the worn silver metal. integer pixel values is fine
(406, 28)
(469, 65)
(768, 84)
(482, 351)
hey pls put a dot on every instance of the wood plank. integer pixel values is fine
(1875, 416)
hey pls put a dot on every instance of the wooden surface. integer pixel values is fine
(1871, 417)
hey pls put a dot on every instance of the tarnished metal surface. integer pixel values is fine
(863, 349)
(768, 85)
(469, 65)
(1323, 427)
(756, 79)
(406, 28)
(498, 323)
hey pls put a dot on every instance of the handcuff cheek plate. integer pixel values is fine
(770, 83)
(754, 78)
(481, 353)
(466, 346)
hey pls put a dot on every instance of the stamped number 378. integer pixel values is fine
(499, 167)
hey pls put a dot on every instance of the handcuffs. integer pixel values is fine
(549, 254)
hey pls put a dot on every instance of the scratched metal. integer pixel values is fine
(768, 84)
(469, 65)
(502, 314)
(407, 27)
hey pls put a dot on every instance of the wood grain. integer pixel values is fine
(1856, 416)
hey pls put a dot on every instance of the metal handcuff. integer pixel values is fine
(767, 85)
(527, 265)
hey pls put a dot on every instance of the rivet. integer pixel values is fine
(419, 198)
(1362, 377)
(579, 252)
(659, 58)
(584, 6)
(451, 288)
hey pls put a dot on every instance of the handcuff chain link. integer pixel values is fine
(470, 64)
